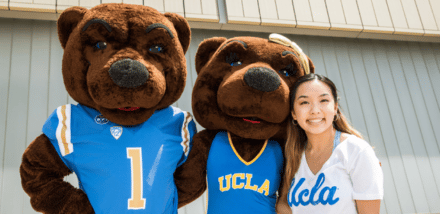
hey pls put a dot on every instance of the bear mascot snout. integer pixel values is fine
(124, 65)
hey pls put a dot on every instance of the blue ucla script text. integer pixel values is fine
(292, 197)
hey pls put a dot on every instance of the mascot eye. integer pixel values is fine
(289, 70)
(156, 49)
(101, 45)
(233, 60)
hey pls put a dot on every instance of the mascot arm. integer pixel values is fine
(190, 178)
(42, 172)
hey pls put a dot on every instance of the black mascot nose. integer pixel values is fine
(262, 79)
(128, 73)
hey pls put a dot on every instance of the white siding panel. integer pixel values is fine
(15, 140)
(335, 11)
(64, 4)
(209, 7)
(319, 13)
(205, 10)
(367, 13)
(382, 13)
(332, 68)
(386, 150)
(409, 137)
(234, 8)
(111, 1)
(397, 15)
(4, 5)
(351, 11)
(302, 10)
(243, 12)
(315, 53)
(193, 6)
(269, 13)
(435, 6)
(137, 2)
(38, 88)
(421, 74)
(90, 3)
(174, 6)
(349, 85)
(33, 5)
(426, 15)
(156, 4)
(397, 65)
(6, 27)
(303, 13)
(412, 17)
(285, 10)
(57, 92)
(427, 51)
(268, 9)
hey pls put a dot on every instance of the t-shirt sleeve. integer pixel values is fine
(188, 131)
(366, 175)
(57, 123)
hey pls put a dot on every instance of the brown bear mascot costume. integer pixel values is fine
(241, 97)
(124, 65)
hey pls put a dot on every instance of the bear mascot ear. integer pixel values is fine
(67, 22)
(205, 51)
(182, 28)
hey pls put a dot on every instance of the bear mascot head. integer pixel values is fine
(241, 98)
(124, 65)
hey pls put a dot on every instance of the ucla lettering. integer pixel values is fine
(242, 181)
(306, 196)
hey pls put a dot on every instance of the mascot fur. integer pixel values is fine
(124, 65)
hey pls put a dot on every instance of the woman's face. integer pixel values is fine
(314, 107)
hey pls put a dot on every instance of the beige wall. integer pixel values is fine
(409, 20)
(388, 89)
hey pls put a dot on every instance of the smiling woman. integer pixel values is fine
(329, 167)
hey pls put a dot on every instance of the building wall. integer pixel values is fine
(389, 90)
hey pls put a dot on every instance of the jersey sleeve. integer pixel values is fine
(188, 131)
(57, 129)
(366, 175)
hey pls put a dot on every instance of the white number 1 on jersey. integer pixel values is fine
(136, 202)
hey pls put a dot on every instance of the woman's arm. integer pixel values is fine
(282, 207)
(368, 206)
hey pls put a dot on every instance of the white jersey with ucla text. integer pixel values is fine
(351, 173)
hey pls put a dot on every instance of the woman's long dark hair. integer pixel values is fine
(296, 136)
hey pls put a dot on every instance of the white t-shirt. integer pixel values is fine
(351, 173)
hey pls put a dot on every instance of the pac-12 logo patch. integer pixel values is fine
(116, 131)
(101, 120)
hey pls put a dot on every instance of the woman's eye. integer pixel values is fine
(156, 49)
(101, 45)
(304, 102)
(324, 100)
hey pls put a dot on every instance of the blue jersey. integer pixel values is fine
(123, 169)
(237, 186)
